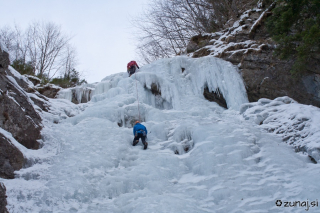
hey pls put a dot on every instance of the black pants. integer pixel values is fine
(136, 139)
(132, 70)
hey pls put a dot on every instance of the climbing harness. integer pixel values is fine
(137, 95)
(141, 131)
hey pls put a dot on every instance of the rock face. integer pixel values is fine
(215, 97)
(248, 45)
(17, 115)
(48, 90)
(33, 79)
(3, 199)
(198, 42)
(11, 158)
(41, 102)
(4, 59)
(155, 90)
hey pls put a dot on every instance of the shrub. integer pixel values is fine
(294, 25)
(22, 67)
(70, 80)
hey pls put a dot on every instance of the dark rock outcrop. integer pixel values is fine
(41, 102)
(155, 90)
(198, 42)
(215, 96)
(249, 47)
(21, 80)
(11, 158)
(48, 90)
(18, 117)
(17, 114)
(3, 199)
(4, 59)
(33, 79)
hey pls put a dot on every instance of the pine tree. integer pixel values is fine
(295, 25)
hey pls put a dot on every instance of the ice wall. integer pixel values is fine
(65, 94)
(174, 79)
(183, 76)
(81, 94)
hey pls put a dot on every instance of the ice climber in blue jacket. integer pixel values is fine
(140, 131)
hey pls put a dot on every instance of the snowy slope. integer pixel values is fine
(201, 157)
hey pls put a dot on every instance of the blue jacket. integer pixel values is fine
(138, 127)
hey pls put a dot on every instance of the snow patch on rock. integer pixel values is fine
(297, 124)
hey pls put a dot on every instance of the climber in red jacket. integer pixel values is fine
(131, 67)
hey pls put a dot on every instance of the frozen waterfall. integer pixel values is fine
(201, 157)
(175, 78)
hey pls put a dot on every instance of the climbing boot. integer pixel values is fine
(145, 145)
(135, 142)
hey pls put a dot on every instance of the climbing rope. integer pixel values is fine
(137, 95)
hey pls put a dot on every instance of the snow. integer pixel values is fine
(32, 77)
(260, 3)
(219, 47)
(297, 124)
(16, 74)
(222, 44)
(14, 100)
(201, 157)
(262, 16)
(26, 152)
(16, 85)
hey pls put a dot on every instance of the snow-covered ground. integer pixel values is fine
(201, 157)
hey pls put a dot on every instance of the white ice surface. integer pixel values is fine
(173, 83)
(297, 124)
(223, 162)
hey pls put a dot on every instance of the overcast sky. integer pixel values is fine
(101, 28)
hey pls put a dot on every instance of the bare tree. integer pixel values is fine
(41, 44)
(227, 11)
(69, 62)
(46, 45)
(8, 39)
(15, 41)
(166, 28)
(20, 51)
